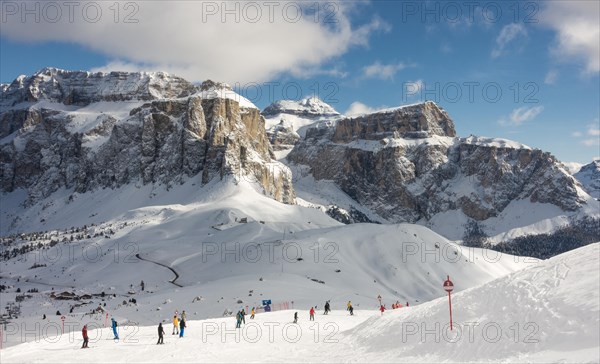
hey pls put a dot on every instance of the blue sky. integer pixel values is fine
(541, 56)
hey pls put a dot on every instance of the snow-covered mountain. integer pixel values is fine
(82, 131)
(406, 164)
(589, 177)
(288, 120)
(110, 179)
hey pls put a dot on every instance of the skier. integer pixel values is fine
(382, 309)
(161, 332)
(252, 313)
(238, 318)
(348, 305)
(312, 314)
(243, 315)
(181, 326)
(85, 337)
(183, 315)
(175, 325)
(327, 308)
(351, 309)
(295, 317)
(114, 327)
(142, 285)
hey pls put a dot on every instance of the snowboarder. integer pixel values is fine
(161, 332)
(351, 309)
(312, 314)
(238, 318)
(252, 313)
(295, 317)
(175, 325)
(114, 327)
(85, 337)
(181, 326)
(348, 305)
(382, 309)
(327, 308)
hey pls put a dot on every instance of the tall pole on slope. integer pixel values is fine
(448, 287)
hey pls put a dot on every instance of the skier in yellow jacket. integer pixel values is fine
(175, 325)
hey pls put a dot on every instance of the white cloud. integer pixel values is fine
(591, 142)
(573, 167)
(521, 115)
(591, 136)
(357, 108)
(413, 88)
(551, 77)
(593, 130)
(446, 48)
(508, 34)
(383, 71)
(182, 37)
(578, 31)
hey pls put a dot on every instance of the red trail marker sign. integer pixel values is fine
(448, 287)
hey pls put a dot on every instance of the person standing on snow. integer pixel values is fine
(142, 285)
(238, 320)
(312, 314)
(382, 309)
(161, 332)
(348, 305)
(295, 317)
(114, 327)
(85, 337)
(183, 315)
(182, 326)
(252, 313)
(243, 316)
(175, 325)
(327, 308)
(351, 309)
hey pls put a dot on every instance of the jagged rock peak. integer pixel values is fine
(307, 107)
(211, 85)
(83, 87)
(589, 177)
(410, 121)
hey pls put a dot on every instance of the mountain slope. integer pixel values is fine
(546, 313)
(227, 242)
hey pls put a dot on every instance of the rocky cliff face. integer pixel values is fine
(288, 120)
(407, 164)
(84, 131)
(589, 177)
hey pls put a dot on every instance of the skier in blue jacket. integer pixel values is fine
(114, 327)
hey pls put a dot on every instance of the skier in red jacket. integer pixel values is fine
(85, 337)
(312, 314)
(382, 308)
